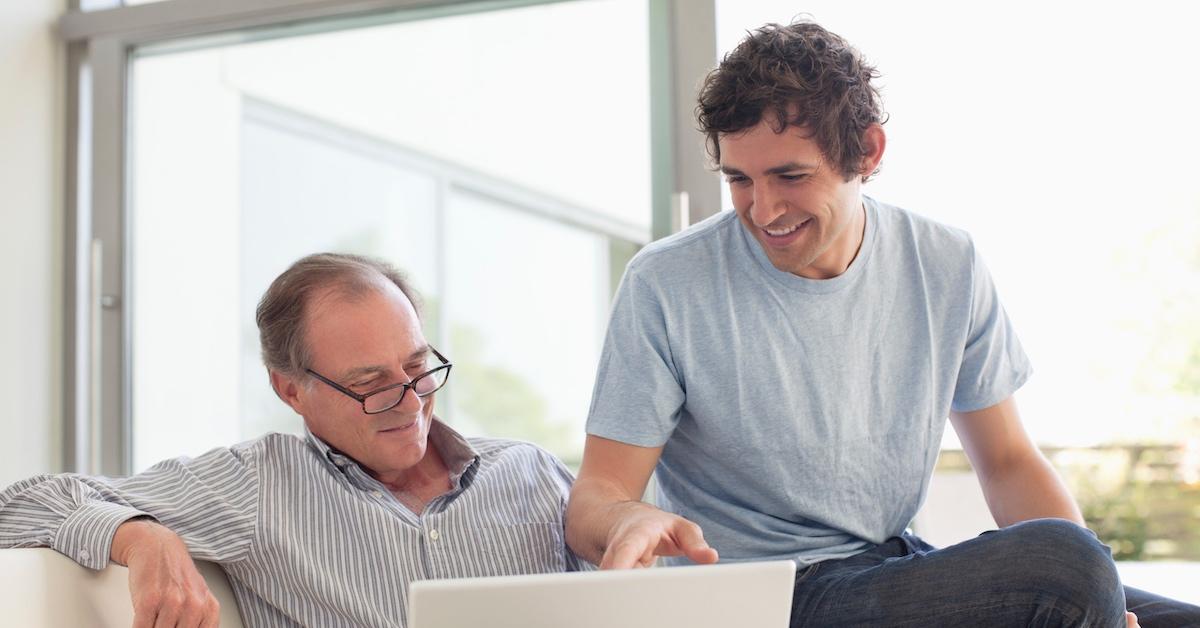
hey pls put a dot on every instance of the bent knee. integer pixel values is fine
(1068, 562)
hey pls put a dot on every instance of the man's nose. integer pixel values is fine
(410, 403)
(767, 205)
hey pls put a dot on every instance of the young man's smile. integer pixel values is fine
(807, 216)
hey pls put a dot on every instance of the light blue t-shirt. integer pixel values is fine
(801, 418)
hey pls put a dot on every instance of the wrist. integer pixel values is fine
(129, 536)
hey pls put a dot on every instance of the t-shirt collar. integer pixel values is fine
(818, 286)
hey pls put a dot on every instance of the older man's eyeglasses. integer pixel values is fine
(388, 397)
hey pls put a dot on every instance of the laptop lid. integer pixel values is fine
(706, 596)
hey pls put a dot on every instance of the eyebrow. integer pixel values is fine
(780, 169)
(359, 371)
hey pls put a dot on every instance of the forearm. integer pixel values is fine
(1028, 488)
(593, 511)
(210, 500)
(75, 515)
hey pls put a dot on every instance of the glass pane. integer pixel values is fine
(526, 302)
(531, 96)
(246, 157)
(100, 5)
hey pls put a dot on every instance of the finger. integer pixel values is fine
(647, 558)
(143, 618)
(192, 615)
(168, 611)
(145, 611)
(690, 540)
(212, 616)
(705, 556)
(623, 555)
(1131, 620)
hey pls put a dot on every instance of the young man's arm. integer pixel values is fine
(1017, 480)
(608, 524)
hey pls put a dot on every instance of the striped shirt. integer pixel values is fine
(305, 535)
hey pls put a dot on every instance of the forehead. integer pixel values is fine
(376, 327)
(762, 145)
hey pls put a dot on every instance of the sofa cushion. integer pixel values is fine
(45, 588)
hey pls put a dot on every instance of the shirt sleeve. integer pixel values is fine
(209, 501)
(993, 365)
(558, 480)
(638, 393)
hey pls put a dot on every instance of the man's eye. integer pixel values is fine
(792, 177)
(736, 180)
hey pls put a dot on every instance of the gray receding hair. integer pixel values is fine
(281, 312)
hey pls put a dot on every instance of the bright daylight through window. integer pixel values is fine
(386, 141)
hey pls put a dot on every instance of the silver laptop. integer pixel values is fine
(709, 596)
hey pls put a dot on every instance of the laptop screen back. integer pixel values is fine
(709, 596)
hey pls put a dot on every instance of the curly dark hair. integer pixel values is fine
(794, 75)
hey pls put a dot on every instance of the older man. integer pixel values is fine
(328, 529)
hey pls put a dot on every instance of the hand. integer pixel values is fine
(1131, 620)
(163, 581)
(645, 532)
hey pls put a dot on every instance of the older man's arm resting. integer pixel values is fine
(148, 522)
(164, 584)
(608, 524)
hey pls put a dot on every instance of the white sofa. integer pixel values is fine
(44, 588)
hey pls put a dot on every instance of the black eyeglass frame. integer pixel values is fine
(409, 385)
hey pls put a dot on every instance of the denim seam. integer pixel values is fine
(808, 571)
(1073, 616)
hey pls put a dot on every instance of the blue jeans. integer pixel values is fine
(1045, 572)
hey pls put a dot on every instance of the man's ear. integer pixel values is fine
(288, 390)
(874, 142)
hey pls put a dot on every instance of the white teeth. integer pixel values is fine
(781, 232)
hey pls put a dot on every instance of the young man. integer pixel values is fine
(326, 530)
(789, 368)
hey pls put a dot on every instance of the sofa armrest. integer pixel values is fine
(45, 588)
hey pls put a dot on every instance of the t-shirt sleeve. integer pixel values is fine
(993, 365)
(638, 393)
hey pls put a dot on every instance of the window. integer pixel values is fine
(472, 151)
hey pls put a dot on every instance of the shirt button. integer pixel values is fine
(435, 535)
(377, 494)
(85, 555)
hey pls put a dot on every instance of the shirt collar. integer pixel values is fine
(457, 453)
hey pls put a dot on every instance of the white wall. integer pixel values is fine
(31, 224)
